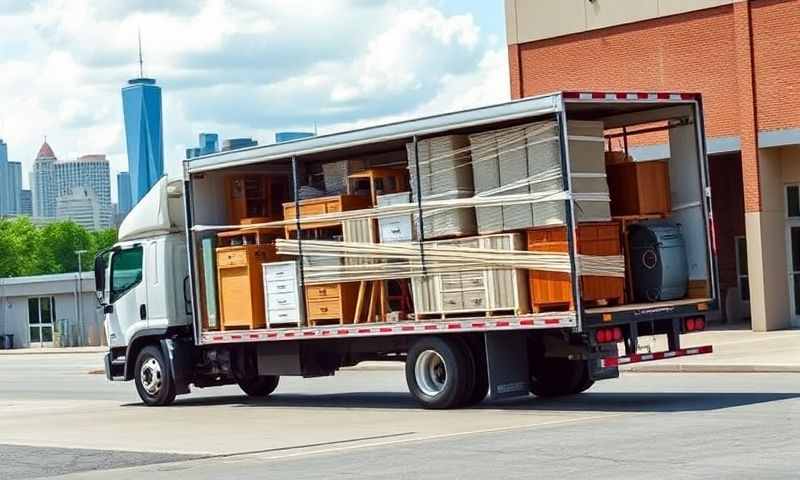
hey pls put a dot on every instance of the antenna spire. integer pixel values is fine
(141, 63)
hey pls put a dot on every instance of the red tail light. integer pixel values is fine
(606, 335)
(694, 324)
(617, 334)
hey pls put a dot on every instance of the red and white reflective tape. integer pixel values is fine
(654, 96)
(404, 328)
(649, 357)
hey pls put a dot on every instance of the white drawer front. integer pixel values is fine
(281, 286)
(472, 280)
(452, 301)
(475, 300)
(396, 229)
(282, 300)
(283, 316)
(281, 271)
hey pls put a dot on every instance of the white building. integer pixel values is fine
(43, 183)
(81, 206)
(42, 311)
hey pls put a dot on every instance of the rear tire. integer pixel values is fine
(439, 373)
(260, 386)
(555, 377)
(480, 384)
(153, 378)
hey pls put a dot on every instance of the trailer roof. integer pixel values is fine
(503, 112)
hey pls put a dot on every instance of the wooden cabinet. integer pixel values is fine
(320, 206)
(490, 290)
(331, 302)
(639, 188)
(253, 195)
(240, 283)
(377, 181)
(553, 290)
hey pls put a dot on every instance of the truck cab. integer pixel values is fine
(141, 281)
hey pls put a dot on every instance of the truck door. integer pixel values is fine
(127, 295)
(158, 287)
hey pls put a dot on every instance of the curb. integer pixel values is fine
(25, 351)
(711, 368)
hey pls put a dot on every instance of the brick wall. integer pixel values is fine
(776, 45)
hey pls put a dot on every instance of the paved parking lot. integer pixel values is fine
(56, 418)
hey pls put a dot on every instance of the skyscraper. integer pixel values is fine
(26, 203)
(4, 194)
(88, 172)
(237, 143)
(14, 178)
(82, 207)
(141, 105)
(209, 143)
(124, 198)
(43, 182)
(289, 136)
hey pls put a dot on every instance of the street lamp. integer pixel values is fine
(78, 294)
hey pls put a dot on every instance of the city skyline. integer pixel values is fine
(245, 78)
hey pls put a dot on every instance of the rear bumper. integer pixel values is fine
(611, 362)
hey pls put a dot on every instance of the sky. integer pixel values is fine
(241, 68)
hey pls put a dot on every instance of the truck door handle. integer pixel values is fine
(143, 312)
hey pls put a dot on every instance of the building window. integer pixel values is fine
(41, 316)
(793, 201)
(741, 269)
(126, 271)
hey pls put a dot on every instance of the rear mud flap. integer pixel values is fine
(507, 362)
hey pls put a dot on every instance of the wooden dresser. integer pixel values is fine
(331, 303)
(473, 291)
(322, 205)
(240, 283)
(639, 188)
(553, 290)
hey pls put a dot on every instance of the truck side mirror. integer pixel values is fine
(108, 308)
(100, 277)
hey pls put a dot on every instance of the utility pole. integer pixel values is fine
(78, 295)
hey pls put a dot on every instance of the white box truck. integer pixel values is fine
(159, 295)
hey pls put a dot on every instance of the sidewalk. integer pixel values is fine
(734, 351)
(53, 350)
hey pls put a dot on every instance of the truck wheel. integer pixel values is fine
(260, 386)
(480, 384)
(153, 379)
(554, 377)
(438, 372)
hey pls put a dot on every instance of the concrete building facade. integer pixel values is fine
(43, 311)
(88, 172)
(743, 56)
(81, 206)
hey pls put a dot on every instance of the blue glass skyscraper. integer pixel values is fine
(124, 198)
(289, 136)
(141, 105)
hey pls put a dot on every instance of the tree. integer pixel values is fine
(26, 249)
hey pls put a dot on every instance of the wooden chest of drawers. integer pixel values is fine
(331, 302)
(554, 289)
(320, 206)
(474, 290)
(239, 279)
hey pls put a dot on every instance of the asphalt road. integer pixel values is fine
(57, 419)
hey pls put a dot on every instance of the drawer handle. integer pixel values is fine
(477, 301)
(451, 302)
(322, 291)
(323, 309)
(283, 314)
(476, 281)
(279, 273)
(395, 230)
(282, 302)
(281, 287)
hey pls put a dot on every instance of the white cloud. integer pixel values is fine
(240, 68)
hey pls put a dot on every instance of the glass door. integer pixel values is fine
(41, 316)
(793, 251)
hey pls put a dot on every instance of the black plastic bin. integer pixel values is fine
(6, 342)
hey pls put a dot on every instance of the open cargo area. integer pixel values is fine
(530, 214)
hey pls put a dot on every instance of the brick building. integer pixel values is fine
(744, 57)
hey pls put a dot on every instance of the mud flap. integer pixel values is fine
(507, 362)
(179, 355)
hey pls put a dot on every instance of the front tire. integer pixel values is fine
(438, 373)
(260, 386)
(154, 381)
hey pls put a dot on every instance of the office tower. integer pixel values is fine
(4, 180)
(26, 203)
(237, 143)
(289, 136)
(14, 178)
(81, 205)
(192, 152)
(141, 105)
(124, 197)
(209, 143)
(43, 182)
(89, 172)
